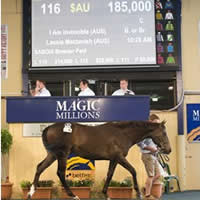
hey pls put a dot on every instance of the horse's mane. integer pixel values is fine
(136, 124)
(125, 124)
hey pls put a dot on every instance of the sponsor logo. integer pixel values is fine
(194, 135)
(77, 163)
(196, 115)
(78, 109)
(193, 122)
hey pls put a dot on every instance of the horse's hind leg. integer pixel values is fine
(40, 168)
(112, 166)
(130, 168)
(61, 174)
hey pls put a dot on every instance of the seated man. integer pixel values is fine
(123, 89)
(85, 90)
(40, 89)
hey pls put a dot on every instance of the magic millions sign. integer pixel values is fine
(76, 109)
(193, 122)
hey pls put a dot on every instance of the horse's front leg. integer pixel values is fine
(112, 166)
(61, 174)
(40, 168)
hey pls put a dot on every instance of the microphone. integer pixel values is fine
(128, 93)
(29, 85)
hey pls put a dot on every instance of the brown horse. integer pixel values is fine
(110, 141)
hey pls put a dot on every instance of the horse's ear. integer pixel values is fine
(163, 123)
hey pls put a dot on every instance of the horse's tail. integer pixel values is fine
(44, 138)
(50, 145)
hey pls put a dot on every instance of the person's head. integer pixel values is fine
(154, 118)
(83, 84)
(124, 84)
(40, 84)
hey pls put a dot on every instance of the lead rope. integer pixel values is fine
(162, 159)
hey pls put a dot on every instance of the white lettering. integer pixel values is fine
(81, 106)
(93, 105)
(72, 106)
(196, 115)
(141, 20)
(59, 115)
(61, 107)
(80, 109)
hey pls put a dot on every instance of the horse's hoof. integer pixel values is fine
(76, 198)
(139, 196)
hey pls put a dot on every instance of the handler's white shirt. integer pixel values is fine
(147, 142)
(86, 92)
(43, 93)
(121, 92)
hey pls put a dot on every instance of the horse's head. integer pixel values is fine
(159, 136)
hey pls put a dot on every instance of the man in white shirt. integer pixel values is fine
(85, 90)
(40, 89)
(123, 89)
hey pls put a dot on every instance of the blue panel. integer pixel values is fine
(193, 122)
(77, 109)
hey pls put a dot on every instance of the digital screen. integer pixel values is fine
(93, 33)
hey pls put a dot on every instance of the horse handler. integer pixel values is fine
(149, 157)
